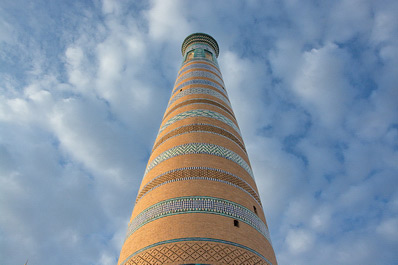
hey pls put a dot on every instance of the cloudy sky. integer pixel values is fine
(83, 88)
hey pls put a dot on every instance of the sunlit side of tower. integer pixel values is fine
(198, 202)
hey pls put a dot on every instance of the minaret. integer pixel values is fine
(198, 202)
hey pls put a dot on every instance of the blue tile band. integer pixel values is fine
(199, 113)
(200, 148)
(199, 46)
(198, 204)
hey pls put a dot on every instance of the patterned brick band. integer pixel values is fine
(199, 173)
(200, 148)
(198, 204)
(196, 249)
(200, 66)
(199, 90)
(198, 101)
(200, 60)
(200, 113)
(200, 82)
(199, 127)
(200, 74)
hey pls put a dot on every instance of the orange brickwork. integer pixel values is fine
(198, 202)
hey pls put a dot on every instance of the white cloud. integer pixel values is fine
(384, 26)
(5, 31)
(321, 83)
(299, 240)
(389, 229)
(347, 19)
(167, 20)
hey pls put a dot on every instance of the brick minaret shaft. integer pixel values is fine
(198, 202)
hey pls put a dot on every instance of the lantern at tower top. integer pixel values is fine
(200, 38)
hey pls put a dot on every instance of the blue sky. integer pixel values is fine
(84, 84)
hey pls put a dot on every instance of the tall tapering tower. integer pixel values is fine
(198, 202)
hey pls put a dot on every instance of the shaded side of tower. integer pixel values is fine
(198, 202)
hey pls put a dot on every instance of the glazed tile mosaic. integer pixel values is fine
(199, 46)
(200, 148)
(198, 204)
(199, 101)
(200, 127)
(200, 82)
(188, 250)
(199, 90)
(200, 113)
(198, 173)
(200, 66)
(200, 74)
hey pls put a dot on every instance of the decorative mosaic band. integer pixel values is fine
(198, 204)
(200, 60)
(200, 148)
(200, 82)
(199, 127)
(200, 74)
(200, 113)
(196, 249)
(200, 66)
(199, 90)
(199, 173)
(199, 101)
(199, 46)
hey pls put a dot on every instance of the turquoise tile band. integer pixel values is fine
(200, 148)
(198, 204)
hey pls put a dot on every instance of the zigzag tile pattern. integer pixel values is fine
(200, 113)
(200, 74)
(199, 90)
(182, 251)
(200, 82)
(198, 173)
(199, 127)
(200, 148)
(199, 101)
(200, 66)
(198, 204)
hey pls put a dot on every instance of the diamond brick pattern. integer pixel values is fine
(200, 148)
(196, 252)
(199, 101)
(198, 173)
(200, 82)
(200, 127)
(199, 90)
